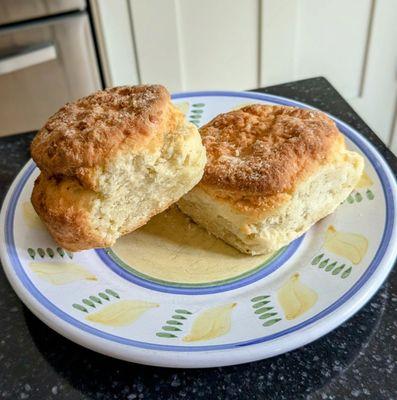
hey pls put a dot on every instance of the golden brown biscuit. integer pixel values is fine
(110, 161)
(272, 172)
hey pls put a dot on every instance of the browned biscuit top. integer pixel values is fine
(263, 150)
(85, 133)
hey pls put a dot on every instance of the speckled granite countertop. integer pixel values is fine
(356, 361)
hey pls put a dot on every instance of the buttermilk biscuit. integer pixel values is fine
(271, 173)
(110, 161)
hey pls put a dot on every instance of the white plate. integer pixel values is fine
(171, 295)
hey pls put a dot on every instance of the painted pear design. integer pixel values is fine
(295, 297)
(348, 245)
(61, 273)
(211, 323)
(123, 313)
(364, 182)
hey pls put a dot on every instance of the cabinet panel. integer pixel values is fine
(331, 41)
(189, 45)
(376, 104)
(307, 38)
(278, 41)
(114, 35)
(155, 27)
(352, 43)
(219, 43)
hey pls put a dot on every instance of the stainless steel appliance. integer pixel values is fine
(47, 58)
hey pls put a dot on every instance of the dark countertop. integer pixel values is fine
(356, 361)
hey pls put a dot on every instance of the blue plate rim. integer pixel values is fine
(365, 146)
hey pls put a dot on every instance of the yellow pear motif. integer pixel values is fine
(296, 298)
(348, 245)
(30, 216)
(183, 106)
(364, 182)
(211, 323)
(62, 273)
(123, 313)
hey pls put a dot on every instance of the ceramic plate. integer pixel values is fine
(172, 295)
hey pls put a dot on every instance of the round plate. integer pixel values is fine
(169, 294)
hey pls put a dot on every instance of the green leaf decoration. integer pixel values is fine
(165, 335)
(261, 303)
(93, 301)
(263, 312)
(346, 273)
(271, 322)
(317, 259)
(41, 252)
(70, 254)
(370, 195)
(267, 315)
(172, 322)
(104, 296)
(89, 303)
(50, 252)
(198, 105)
(195, 117)
(61, 251)
(31, 252)
(96, 299)
(350, 199)
(323, 263)
(358, 197)
(79, 307)
(112, 293)
(338, 269)
(330, 266)
(171, 328)
(178, 317)
(197, 111)
(263, 309)
(259, 298)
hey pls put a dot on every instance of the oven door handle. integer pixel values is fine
(27, 57)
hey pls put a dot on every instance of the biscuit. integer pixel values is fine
(272, 172)
(110, 161)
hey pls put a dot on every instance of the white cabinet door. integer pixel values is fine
(352, 43)
(190, 44)
(243, 44)
(377, 100)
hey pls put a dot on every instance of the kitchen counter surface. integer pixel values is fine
(355, 361)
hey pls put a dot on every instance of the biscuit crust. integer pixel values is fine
(263, 150)
(85, 135)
